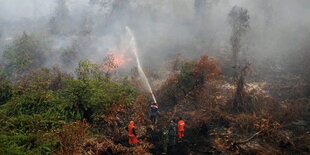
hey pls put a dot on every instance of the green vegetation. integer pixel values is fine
(184, 78)
(36, 102)
(25, 54)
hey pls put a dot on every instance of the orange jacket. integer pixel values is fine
(181, 125)
(131, 129)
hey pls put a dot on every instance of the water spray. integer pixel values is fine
(133, 47)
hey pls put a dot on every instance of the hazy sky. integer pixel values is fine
(25, 8)
(18, 9)
(165, 27)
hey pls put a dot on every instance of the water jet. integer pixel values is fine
(133, 46)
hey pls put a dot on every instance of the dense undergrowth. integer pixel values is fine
(32, 109)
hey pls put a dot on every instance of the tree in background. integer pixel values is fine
(103, 71)
(239, 20)
(86, 70)
(69, 58)
(25, 54)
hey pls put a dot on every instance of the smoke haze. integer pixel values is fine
(162, 28)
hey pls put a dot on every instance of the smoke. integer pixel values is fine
(80, 29)
(140, 70)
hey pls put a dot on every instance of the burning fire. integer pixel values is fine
(120, 58)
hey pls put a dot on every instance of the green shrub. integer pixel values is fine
(5, 92)
(88, 98)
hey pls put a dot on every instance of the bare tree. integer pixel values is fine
(109, 66)
(238, 101)
(239, 20)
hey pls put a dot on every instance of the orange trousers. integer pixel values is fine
(181, 134)
(132, 139)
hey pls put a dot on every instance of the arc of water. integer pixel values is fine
(140, 70)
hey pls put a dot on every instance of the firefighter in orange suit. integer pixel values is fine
(181, 127)
(132, 136)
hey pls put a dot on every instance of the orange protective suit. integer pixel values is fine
(181, 127)
(132, 137)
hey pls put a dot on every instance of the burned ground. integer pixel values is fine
(268, 125)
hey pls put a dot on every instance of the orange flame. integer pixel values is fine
(120, 57)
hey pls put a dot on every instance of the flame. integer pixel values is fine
(120, 57)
